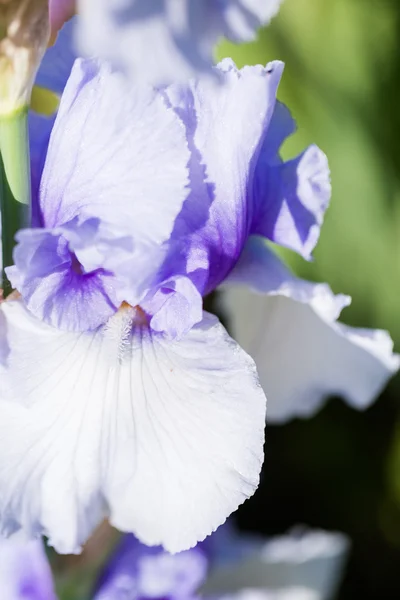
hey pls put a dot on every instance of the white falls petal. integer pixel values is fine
(164, 437)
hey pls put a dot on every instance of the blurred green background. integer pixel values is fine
(341, 470)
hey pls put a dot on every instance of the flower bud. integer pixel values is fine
(24, 35)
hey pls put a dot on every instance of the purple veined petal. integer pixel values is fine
(133, 161)
(143, 572)
(290, 197)
(58, 60)
(58, 272)
(25, 573)
(123, 161)
(225, 126)
(306, 559)
(303, 355)
(239, 185)
(162, 41)
(166, 437)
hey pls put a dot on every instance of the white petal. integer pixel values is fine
(302, 354)
(166, 437)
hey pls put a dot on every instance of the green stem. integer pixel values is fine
(15, 186)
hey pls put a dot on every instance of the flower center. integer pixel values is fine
(118, 330)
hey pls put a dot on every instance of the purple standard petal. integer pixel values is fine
(161, 41)
(24, 570)
(238, 183)
(225, 126)
(123, 161)
(163, 437)
(290, 197)
(147, 572)
(303, 354)
(131, 164)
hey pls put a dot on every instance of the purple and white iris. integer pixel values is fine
(119, 395)
(161, 41)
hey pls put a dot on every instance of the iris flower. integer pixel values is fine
(119, 395)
